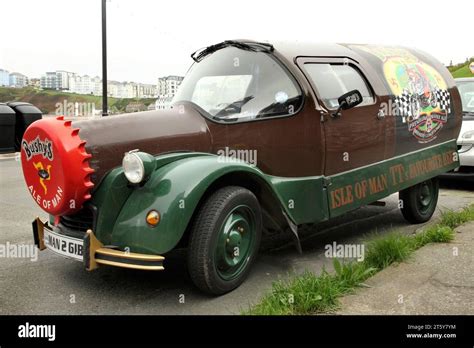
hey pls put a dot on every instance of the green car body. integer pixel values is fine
(171, 190)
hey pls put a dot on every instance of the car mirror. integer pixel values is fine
(348, 100)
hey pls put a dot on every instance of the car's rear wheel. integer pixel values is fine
(225, 238)
(418, 203)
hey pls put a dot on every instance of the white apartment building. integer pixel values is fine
(145, 90)
(126, 90)
(63, 78)
(168, 86)
(97, 83)
(113, 88)
(120, 90)
(4, 78)
(18, 80)
(58, 80)
(49, 80)
(68, 81)
(163, 102)
(85, 85)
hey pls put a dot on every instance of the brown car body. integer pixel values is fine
(307, 143)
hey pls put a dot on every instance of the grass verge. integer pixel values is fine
(312, 294)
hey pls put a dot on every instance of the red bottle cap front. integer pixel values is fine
(56, 166)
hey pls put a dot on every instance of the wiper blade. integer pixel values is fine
(251, 46)
(235, 106)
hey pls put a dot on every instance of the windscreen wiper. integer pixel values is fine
(251, 46)
(234, 106)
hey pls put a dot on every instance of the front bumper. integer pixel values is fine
(462, 176)
(466, 160)
(466, 155)
(90, 250)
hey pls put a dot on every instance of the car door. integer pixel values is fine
(355, 137)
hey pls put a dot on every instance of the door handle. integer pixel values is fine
(324, 115)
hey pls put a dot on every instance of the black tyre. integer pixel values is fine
(418, 203)
(224, 242)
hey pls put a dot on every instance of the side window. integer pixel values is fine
(333, 80)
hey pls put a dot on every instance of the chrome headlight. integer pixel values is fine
(137, 166)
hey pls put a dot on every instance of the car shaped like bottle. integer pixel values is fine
(261, 138)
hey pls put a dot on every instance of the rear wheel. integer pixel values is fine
(225, 238)
(418, 203)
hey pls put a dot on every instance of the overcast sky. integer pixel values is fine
(148, 39)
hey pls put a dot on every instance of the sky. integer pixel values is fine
(152, 38)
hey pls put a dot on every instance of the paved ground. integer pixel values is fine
(439, 279)
(48, 285)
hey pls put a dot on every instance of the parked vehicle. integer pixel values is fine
(260, 138)
(466, 136)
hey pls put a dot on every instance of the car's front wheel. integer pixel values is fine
(224, 242)
(418, 203)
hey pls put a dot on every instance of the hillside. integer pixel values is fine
(46, 100)
(462, 70)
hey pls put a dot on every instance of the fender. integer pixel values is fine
(175, 190)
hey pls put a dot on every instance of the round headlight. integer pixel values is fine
(133, 167)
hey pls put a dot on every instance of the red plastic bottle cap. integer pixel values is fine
(56, 166)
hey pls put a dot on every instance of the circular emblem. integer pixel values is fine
(420, 95)
(55, 166)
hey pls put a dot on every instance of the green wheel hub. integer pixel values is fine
(235, 242)
(425, 195)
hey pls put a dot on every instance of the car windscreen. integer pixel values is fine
(466, 89)
(234, 85)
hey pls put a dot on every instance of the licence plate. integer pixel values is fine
(64, 245)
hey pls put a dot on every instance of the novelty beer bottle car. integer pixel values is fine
(260, 138)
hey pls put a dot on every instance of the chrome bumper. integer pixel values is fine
(95, 254)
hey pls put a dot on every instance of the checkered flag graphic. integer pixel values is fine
(405, 105)
(444, 99)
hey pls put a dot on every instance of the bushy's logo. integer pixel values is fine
(38, 147)
(44, 174)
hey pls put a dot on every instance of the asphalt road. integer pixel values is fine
(54, 285)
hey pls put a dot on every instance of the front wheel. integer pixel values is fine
(418, 203)
(225, 238)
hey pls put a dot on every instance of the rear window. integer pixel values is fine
(333, 80)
